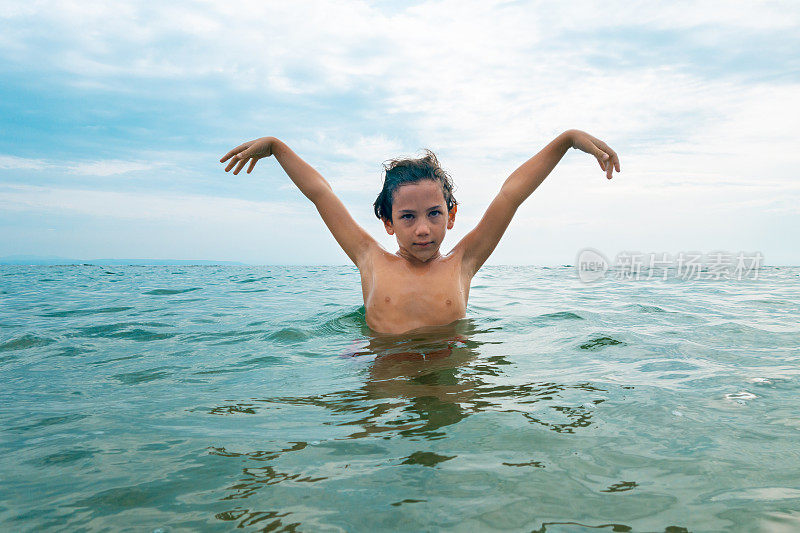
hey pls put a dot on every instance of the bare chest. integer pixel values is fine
(398, 299)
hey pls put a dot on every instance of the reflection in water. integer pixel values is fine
(613, 527)
(111, 398)
(247, 518)
(421, 373)
(416, 386)
(258, 455)
(425, 364)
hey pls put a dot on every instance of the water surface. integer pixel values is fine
(217, 398)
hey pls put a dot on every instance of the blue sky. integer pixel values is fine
(114, 116)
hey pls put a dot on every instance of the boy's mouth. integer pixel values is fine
(423, 244)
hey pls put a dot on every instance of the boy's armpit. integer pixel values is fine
(353, 239)
(478, 244)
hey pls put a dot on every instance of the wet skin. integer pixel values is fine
(416, 286)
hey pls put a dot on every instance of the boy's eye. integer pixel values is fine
(407, 216)
(436, 212)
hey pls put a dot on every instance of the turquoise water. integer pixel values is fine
(218, 398)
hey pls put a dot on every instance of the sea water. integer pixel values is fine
(221, 398)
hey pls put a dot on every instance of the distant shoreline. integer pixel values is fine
(30, 260)
(65, 261)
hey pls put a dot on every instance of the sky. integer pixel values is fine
(113, 117)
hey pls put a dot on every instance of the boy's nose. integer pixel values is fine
(423, 229)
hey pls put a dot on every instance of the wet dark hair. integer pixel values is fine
(402, 171)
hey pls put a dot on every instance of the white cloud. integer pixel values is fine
(477, 76)
(10, 162)
(139, 206)
(100, 168)
(109, 167)
(485, 84)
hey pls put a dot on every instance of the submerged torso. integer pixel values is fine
(399, 296)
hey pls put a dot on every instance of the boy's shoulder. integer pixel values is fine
(380, 259)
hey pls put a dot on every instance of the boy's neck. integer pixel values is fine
(414, 261)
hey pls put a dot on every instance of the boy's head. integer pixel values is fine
(402, 171)
(416, 204)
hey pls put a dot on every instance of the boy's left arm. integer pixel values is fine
(479, 244)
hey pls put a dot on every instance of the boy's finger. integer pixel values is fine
(240, 165)
(232, 152)
(252, 164)
(614, 159)
(230, 165)
(612, 153)
(599, 153)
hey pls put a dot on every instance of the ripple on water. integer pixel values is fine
(737, 335)
(188, 300)
(524, 323)
(167, 292)
(51, 421)
(124, 330)
(24, 342)
(72, 351)
(647, 308)
(263, 361)
(667, 366)
(253, 280)
(426, 459)
(64, 457)
(222, 337)
(339, 323)
(597, 426)
(86, 312)
(741, 396)
(760, 494)
(289, 335)
(561, 315)
(253, 290)
(144, 376)
(599, 343)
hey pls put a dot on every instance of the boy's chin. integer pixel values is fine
(420, 254)
(425, 254)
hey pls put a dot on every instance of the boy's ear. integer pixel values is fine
(451, 217)
(388, 225)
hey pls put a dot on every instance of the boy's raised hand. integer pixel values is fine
(592, 145)
(251, 150)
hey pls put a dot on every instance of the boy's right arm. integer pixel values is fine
(478, 244)
(353, 239)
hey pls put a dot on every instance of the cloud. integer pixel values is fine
(140, 206)
(469, 76)
(10, 162)
(101, 168)
(109, 167)
(695, 98)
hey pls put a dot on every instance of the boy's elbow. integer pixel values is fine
(511, 195)
(318, 191)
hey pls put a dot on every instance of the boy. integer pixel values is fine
(418, 286)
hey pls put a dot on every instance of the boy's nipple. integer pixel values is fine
(448, 302)
(387, 300)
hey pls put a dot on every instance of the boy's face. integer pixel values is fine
(420, 219)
